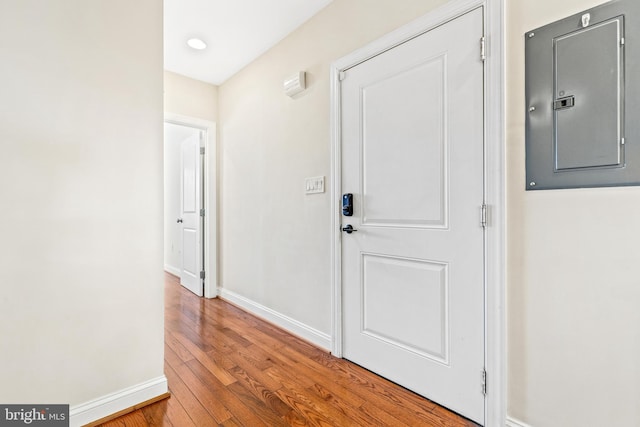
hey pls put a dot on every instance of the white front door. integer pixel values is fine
(413, 272)
(190, 219)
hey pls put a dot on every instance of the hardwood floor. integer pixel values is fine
(227, 368)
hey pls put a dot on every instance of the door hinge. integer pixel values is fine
(201, 212)
(483, 52)
(483, 215)
(202, 275)
(201, 150)
(484, 382)
(342, 75)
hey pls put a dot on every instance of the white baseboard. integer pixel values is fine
(293, 326)
(173, 270)
(512, 422)
(110, 404)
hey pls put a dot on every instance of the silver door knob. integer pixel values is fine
(179, 220)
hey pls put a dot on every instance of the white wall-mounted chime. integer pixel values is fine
(295, 83)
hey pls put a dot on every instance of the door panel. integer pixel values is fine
(413, 314)
(190, 258)
(413, 273)
(190, 215)
(414, 96)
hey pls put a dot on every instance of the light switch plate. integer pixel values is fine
(314, 185)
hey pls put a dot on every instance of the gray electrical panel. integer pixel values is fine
(583, 99)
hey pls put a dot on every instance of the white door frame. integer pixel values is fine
(495, 320)
(210, 244)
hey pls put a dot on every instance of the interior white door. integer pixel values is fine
(190, 219)
(413, 273)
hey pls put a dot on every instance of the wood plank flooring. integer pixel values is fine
(226, 367)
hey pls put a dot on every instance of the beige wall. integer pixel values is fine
(275, 240)
(81, 310)
(188, 97)
(573, 276)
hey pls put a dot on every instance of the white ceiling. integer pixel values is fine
(236, 32)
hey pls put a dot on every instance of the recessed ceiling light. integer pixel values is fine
(196, 44)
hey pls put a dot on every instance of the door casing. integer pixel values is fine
(210, 243)
(495, 320)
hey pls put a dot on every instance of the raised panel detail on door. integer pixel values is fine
(189, 176)
(414, 157)
(405, 304)
(190, 257)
